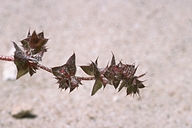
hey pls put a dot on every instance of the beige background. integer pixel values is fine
(156, 35)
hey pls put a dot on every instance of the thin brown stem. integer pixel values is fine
(85, 78)
(6, 58)
(44, 68)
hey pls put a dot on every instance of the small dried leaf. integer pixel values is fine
(63, 83)
(140, 84)
(66, 70)
(141, 75)
(116, 83)
(37, 42)
(88, 70)
(96, 61)
(25, 44)
(28, 34)
(74, 83)
(97, 74)
(71, 65)
(133, 73)
(113, 75)
(129, 90)
(34, 45)
(33, 40)
(23, 63)
(113, 60)
(60, 71)
(65, 74)
(96, 87)
(21, 70)
(32, 68)
(123, 84)
(41, 35)
(132, 90)
(20, 61)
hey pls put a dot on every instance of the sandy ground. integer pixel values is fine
(156, 35)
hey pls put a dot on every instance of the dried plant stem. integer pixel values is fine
(86, 78)
(11, 58)
(44, 68)
(6, 58)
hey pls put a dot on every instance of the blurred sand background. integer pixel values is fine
(156, 35)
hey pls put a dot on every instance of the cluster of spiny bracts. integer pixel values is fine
(119, 75)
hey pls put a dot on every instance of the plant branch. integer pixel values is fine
(10, 58)
(6, 58)
(28, 58)
(85, 78)
(44, 68)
